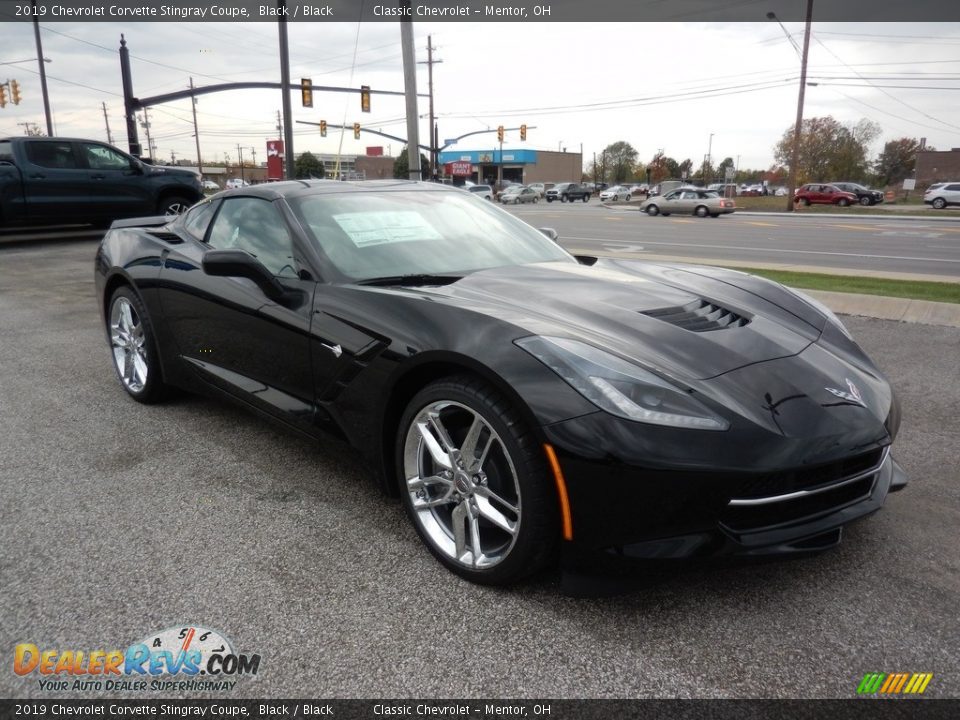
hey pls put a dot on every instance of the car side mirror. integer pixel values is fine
(550, 233)
(136, 167)
(239, 263)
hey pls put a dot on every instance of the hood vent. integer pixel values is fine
(698, 316)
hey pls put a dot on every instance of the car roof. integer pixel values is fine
(304, 188)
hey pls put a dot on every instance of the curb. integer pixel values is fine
(923, 312)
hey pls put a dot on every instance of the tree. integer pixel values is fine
(727, 162)
(401, 166)
(829, 150)
(620, 158)
(896, 162)
(307, 166)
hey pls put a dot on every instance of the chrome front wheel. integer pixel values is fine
(131, 346)
(473, 482)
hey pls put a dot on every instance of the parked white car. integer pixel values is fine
(942, 194)
(234, 183)
(484, 191)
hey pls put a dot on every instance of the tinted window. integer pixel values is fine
(367, 235)
(256, 226)
(198, 218)
(6, 151)
(51, 154)
(101, 157)
(952, 188)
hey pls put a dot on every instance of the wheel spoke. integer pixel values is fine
(488, 511)
(126, 317)
(417, 482)
(458, 519)
(139, 369)
(468, 449)
(483, 455)
(474, 537)
(440, 456)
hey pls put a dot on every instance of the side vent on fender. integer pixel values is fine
(698, 316)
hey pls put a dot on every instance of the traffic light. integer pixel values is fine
(500, 133)
(364, 98)
(15, 92)
(306, 92)
(3, 95)
(323, 128)
(356, 131)
(523, 132)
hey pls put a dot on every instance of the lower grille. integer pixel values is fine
(750, 514)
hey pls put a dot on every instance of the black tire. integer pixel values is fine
(152, 389)
(616, 197)
(805, 202)
(173, 205)
(652, 210)
(842, 202)
(939, 203)
(536, 529)
(564, 198)
(865, 201)
(701, 211)
(586, 198)
(549, 199)
(626, 198)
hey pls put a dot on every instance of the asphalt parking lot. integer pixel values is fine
(118, 520)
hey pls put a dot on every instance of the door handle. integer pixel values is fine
(97, 176)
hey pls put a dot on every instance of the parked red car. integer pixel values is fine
(823, 194)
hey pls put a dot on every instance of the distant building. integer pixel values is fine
(937, 166)
(519, 165)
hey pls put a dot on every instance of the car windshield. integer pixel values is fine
(372, 235)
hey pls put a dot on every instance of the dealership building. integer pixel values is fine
(519, 165)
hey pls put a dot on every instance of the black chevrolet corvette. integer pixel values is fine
(519, 400)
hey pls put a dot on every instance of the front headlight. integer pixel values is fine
(619, 387)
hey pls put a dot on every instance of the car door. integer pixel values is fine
(116, 184)
(55, 184)
(225, 329)
(951, 193)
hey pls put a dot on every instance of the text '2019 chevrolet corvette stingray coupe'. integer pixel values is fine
(518, 399)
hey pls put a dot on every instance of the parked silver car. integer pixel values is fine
(688, 201)
(484, 191)
(942, 194)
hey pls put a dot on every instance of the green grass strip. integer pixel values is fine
(911, 289)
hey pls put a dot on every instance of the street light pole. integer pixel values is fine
(709, 163)
(285, 81)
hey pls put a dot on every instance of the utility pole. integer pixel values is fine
(240, 153)
(145, 124)
(106, 121)
(28, 131)
(173, 158)
(410, 90)
(434, 141)
(795, 154)
(196, 133)
(43, 70)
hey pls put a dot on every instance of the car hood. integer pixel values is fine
(625, 307)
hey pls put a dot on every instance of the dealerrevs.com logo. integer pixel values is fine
(179, 659)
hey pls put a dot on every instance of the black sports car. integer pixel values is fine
(517, 398)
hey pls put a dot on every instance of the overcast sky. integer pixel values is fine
(739, 82)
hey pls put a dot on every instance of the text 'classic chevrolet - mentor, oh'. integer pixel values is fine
(525, 404)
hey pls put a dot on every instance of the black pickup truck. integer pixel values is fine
(568, 192)
(65, 181)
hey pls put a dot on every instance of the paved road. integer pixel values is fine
(907, 246)
(118, 519)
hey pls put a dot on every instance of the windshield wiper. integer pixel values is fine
(411, 280)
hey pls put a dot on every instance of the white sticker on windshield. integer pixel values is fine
(377, 228)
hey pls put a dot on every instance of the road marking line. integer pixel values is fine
(759, 224)
(769, 249)
(614, 219)
(846, 226)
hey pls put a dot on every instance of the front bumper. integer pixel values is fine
(734, 504)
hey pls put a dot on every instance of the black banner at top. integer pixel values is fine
(479, 11)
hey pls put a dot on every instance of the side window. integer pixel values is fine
(51, 154)
(256, 226)
(100, 157)
(198, 218)
(953, 188)
(6, 151)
